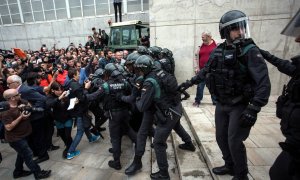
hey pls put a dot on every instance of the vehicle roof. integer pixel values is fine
(133, 22)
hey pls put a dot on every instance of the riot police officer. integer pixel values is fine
(237, 76)
(159, 99)
(287, 164)
(118, 111)
(97, 81)
(167, 61)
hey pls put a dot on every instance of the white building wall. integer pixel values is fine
(178, 25)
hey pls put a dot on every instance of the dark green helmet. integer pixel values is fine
(132, 57)
(154, 51)
(165, 52)
(111, 70)
(142, 50)
(98, 73)
(144, 63)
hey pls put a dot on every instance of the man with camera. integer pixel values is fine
(37, 138)
(17, 128)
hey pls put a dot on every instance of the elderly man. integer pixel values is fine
(205, 50)
(37, 137)
(17, 128)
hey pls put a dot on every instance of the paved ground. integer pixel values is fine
(262, 144)
(262, 149)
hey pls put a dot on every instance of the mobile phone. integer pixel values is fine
(68, 92)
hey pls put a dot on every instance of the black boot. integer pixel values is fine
(115, 164)
(187, 146)
(135, 166)
(243, 177)
(160, 175)
(42, 174)
(23, 173)
(222, 170)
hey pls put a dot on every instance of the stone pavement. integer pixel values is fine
(262, 149)
(262, 144)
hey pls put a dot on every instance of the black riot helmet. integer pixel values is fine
(165, 52)
(234, 20)
(142, 50)
(144, 64)
(111, 70)
(98, 73)
(154, 51)
(132, 57)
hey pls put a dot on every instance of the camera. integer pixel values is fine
(26, 109)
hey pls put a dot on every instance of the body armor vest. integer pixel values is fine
(227, 77)
(165, 84)
(113, 88)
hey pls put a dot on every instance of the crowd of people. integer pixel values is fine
(40, 86)
(139, 94)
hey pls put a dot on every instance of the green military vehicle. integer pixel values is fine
(128, 35)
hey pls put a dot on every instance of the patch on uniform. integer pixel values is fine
(144, 89)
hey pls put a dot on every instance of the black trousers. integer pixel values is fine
(118, 6)
(230, 136)
(36, 139)
(119, 125)
(161, 135)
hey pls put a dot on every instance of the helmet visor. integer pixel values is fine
(240, 25)
(293, 27)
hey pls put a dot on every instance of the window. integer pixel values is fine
(27, 11)
(101, 7)
(129, 36)
(61, 11)
(145, 5)
(88, 7)
(13, 10)
(133, 5)
(115, 38)
(37, 9)
(75, 8)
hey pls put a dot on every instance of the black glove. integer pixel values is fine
(265, 54)
(135, 92)
(185, 85)
(249, 116)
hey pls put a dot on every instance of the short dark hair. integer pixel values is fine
(93, 28)
(55, 86)
(72, 72)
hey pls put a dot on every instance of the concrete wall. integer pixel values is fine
(178, 24)
(62, 32)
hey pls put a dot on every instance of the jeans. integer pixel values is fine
(79, 134)
(199, 93)
(24, 155)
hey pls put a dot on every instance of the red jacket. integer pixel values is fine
(61, 78)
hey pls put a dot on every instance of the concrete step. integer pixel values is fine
(262, 144)
(191, 165)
